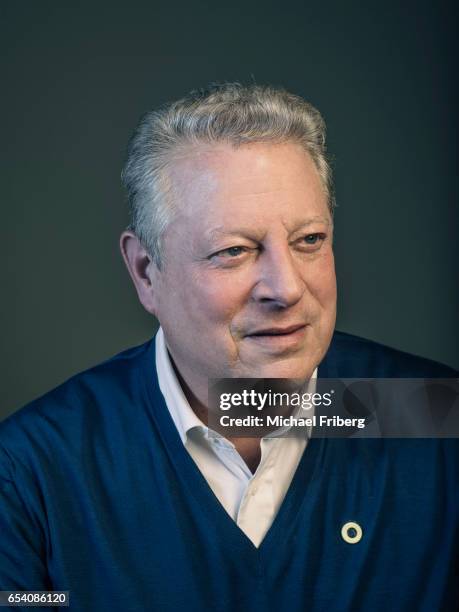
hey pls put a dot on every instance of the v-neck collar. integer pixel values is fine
(196, 485)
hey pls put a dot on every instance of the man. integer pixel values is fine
(112, 487)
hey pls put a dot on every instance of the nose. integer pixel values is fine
(279, 281)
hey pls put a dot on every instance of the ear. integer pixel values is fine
(142, 269)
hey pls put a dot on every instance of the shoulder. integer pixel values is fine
(351, 356)
(92, 401)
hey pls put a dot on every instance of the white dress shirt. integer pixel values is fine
(252, 500)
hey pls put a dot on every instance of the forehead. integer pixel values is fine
(256, 182)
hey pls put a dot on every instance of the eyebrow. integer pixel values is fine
(221, 232)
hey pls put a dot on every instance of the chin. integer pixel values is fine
(298, 373)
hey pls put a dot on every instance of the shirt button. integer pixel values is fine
(351, 532)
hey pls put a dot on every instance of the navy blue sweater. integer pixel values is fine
(98, 496)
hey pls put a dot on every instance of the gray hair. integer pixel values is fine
(227, 112)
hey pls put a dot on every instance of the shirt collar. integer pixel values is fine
(179, 408)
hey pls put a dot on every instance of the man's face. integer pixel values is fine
(247, 287)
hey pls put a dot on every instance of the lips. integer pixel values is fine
(277, 331)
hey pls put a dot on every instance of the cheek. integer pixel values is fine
(207, 297)
(220, 297)
(323, 281)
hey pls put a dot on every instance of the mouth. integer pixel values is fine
(277, 331)
(279, 337)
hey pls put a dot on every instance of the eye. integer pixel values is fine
(311, 242)
(312, 238)
(234, 251)
(232, 256)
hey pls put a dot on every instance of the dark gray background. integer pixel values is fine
(77, 77)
